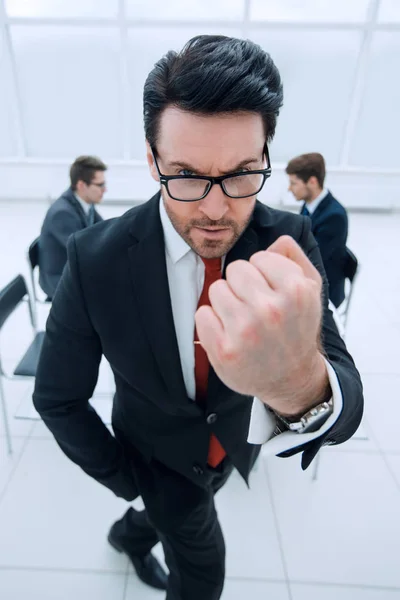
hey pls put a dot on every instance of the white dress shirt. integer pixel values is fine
(85, 205)
(185, 271)
(311, 206)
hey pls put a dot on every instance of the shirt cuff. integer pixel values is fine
(262, 423)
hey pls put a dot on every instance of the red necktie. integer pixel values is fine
(216, 453)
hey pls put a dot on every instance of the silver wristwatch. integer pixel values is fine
(312, 420)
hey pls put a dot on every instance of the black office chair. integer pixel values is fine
(351, 269)
(33, 263)
(11, 297)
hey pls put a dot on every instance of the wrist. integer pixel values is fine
(311, 388)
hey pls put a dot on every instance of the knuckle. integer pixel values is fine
(235, 268)
(247, 332)
(271, 312)
(227, 353)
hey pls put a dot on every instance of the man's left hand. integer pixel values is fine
(262, 330)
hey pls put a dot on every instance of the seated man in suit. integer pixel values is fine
(328, 217)
(74, 210)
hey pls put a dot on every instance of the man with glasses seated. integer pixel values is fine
(73, 211)
(211, 309)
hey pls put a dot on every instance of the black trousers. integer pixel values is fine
(194, 552)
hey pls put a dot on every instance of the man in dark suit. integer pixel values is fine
(73, 211)
(211, 311)
(329, 223)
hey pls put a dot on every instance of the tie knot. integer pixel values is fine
(212, 265)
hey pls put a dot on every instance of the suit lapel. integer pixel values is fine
(151, 290)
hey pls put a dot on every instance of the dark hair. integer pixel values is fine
(213, 74)
(306, 166)
(84, 168)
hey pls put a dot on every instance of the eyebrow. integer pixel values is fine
(188, 167)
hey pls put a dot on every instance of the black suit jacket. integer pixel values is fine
(113, 299)
(330, 229)
(64, 217)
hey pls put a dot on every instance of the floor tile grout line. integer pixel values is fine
(382, 453)
(389, 468)
(17, 463)
(126, 574)
(278, 531)
(126, 583)
(355, 586)
(63, 570)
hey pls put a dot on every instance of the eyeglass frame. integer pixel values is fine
(99, 185)
(164, 179)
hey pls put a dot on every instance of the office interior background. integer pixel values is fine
(71, 81)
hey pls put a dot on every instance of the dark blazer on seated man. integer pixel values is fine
(211, 309)
(329, 225)
(329, 222)
(73, 211)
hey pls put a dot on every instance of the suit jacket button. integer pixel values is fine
(198, 470)
(212, 417)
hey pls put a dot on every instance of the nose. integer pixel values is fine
(216, 204)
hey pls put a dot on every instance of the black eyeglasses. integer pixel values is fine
(99, 185)
(192, 188)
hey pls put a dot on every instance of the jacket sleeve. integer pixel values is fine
(339, 358)
(65, 380)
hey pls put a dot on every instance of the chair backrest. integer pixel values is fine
(11, 296)
(351, 268)
(33, 253)
(350, 265)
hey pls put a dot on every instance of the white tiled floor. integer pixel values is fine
(289, 538)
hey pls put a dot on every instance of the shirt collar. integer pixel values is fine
(175, 245)
(311, 206)
(85, 205)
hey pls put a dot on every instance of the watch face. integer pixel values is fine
(311, 421)
(315, 422)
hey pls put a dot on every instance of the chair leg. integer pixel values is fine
(317, 460)
(5, 416)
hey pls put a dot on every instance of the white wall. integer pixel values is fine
(72, 74)
(131, 182)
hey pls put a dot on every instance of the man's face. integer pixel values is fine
(299, 189)
(209, 145)
(94, 192)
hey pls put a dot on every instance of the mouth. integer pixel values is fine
(213, 231)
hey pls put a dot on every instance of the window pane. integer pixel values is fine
(211, 10)
(97, 9)
(8, 141)
(377, 135)
(389, 11)
(309, 10)
(70, 89)
(317, 70)
(142, 57)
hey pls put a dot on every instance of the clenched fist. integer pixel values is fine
(261, 332)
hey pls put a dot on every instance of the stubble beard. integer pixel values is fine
(208, 248)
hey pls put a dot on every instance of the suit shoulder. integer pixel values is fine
(107, 236)
(56, 212)
(337, 207)
(282, 222)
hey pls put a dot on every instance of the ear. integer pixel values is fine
(80, 187)
(151, 163)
